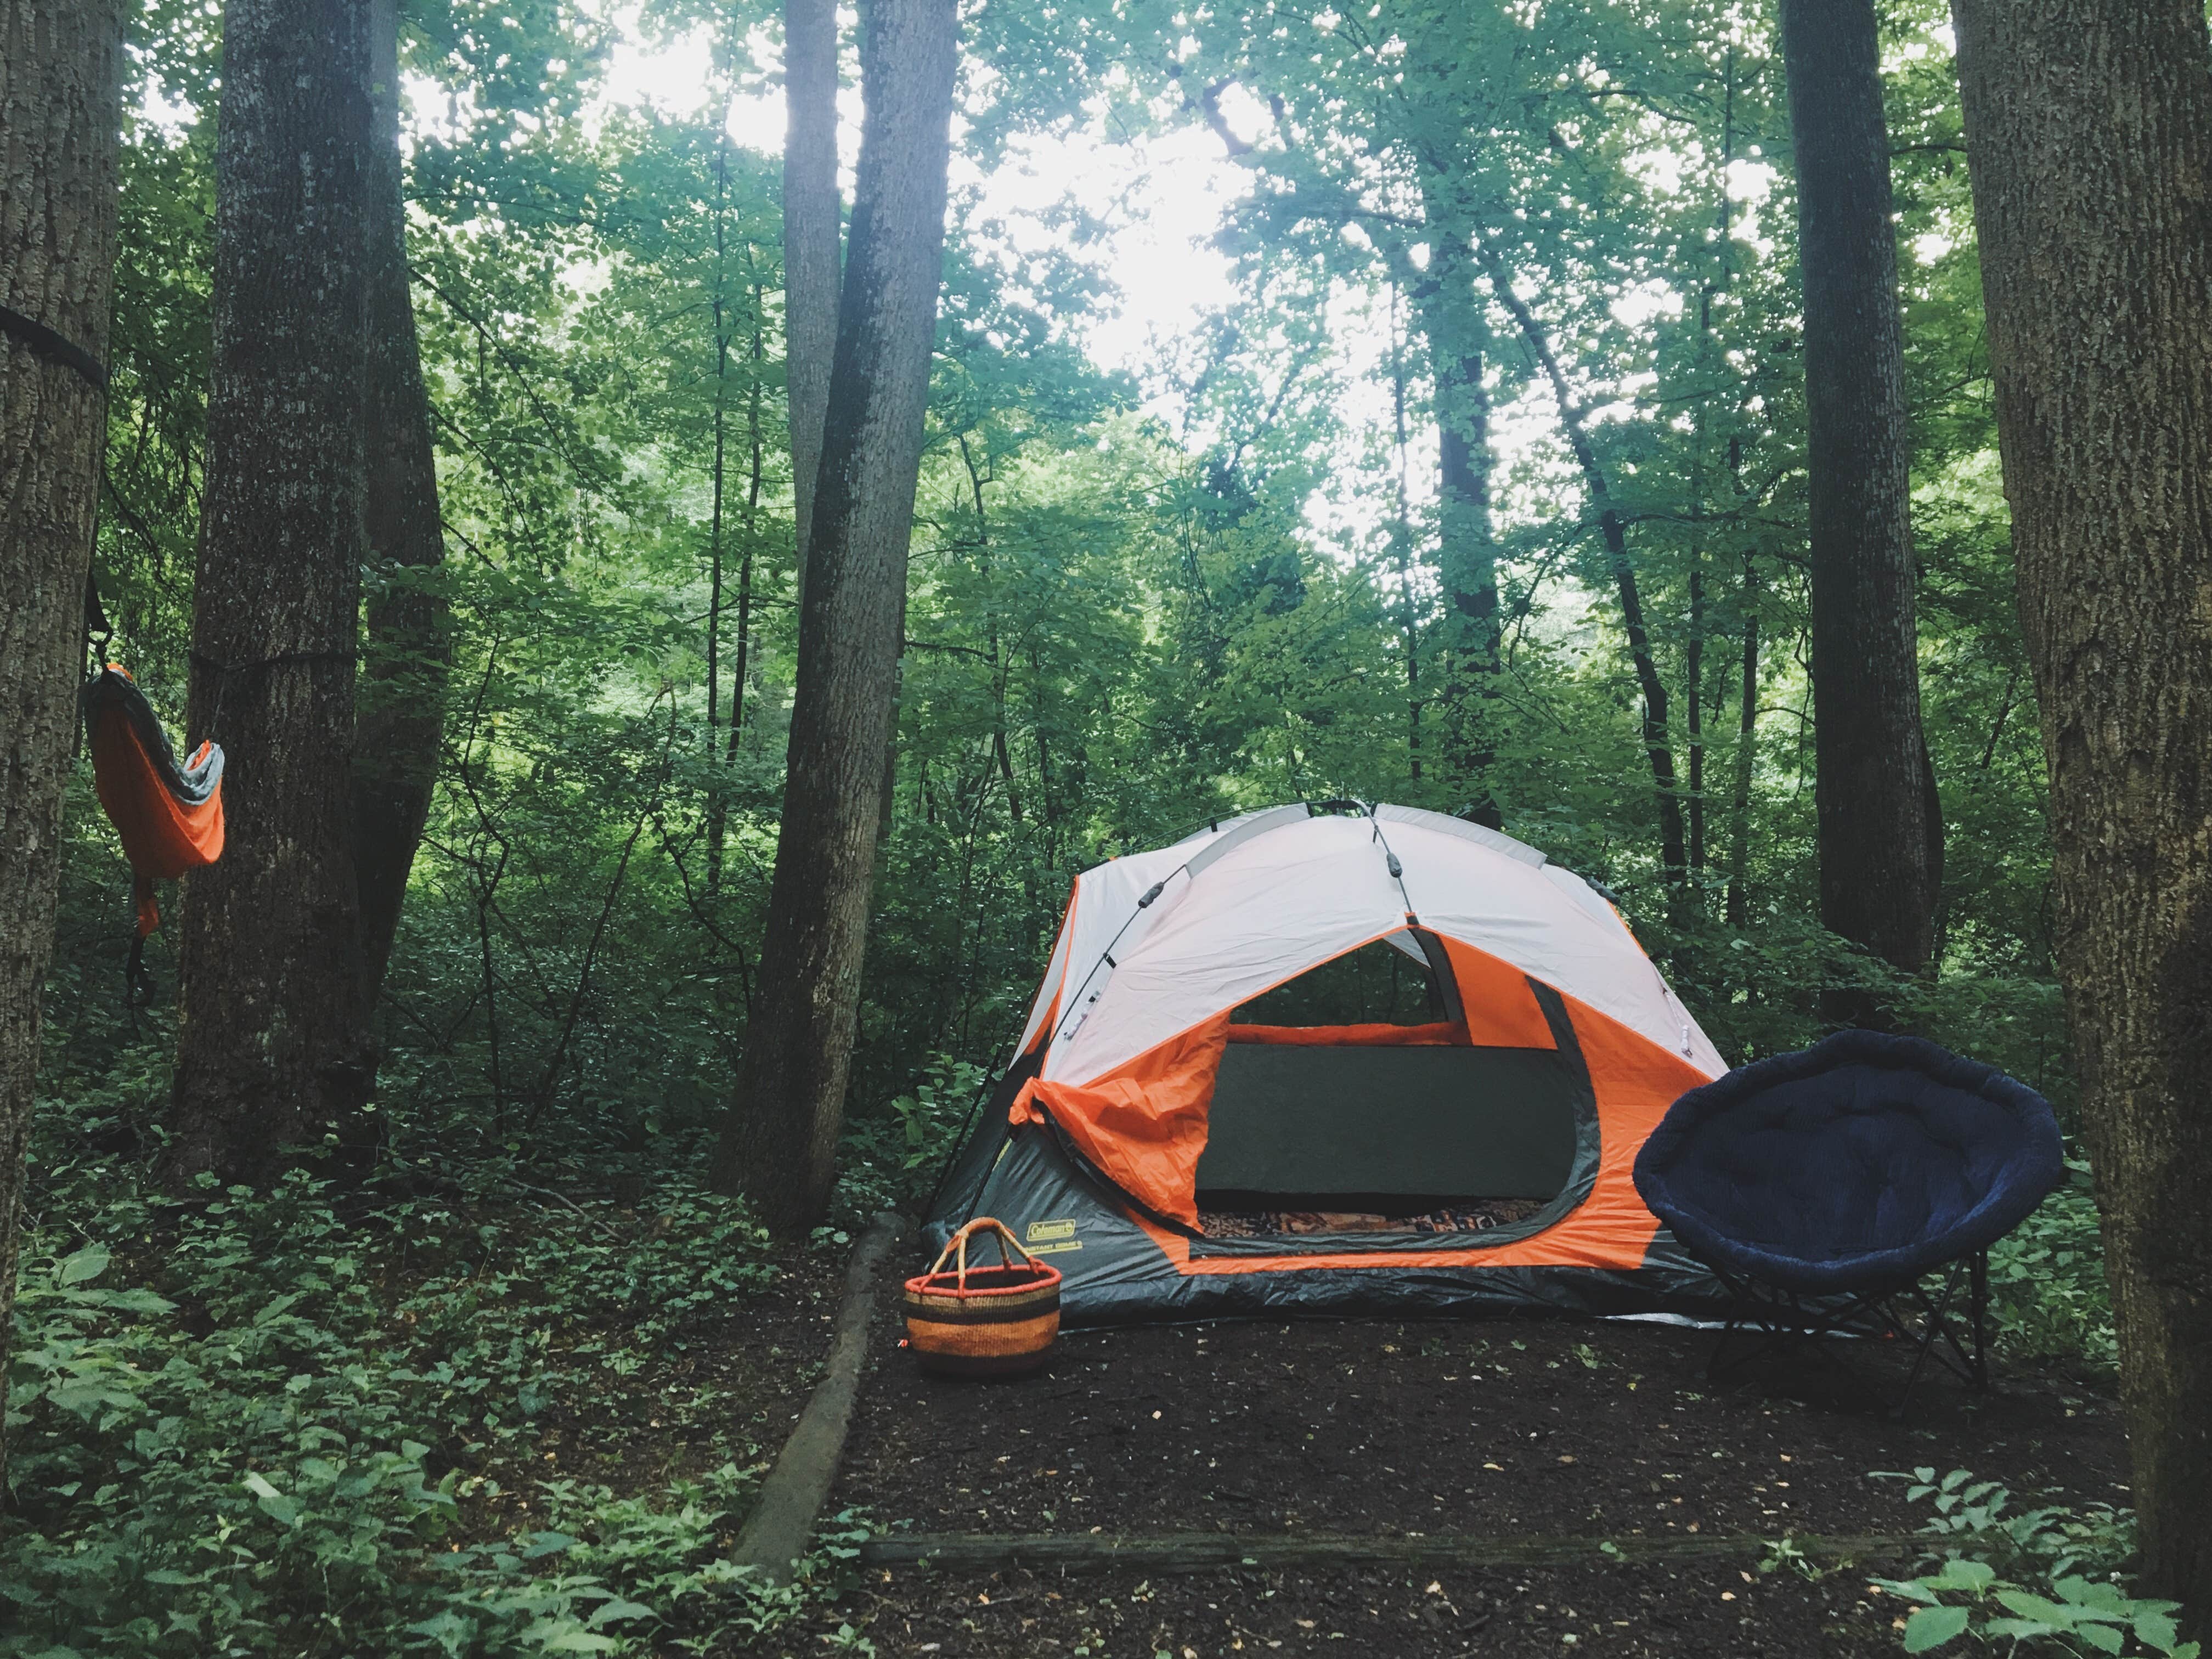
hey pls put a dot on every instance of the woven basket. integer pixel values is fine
(983, 1322)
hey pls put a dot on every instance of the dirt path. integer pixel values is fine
(1506, 1429)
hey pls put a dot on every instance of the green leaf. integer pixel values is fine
(2155, 1631)
(139, 1302)
(1959, 1573)
(87, 1265)
(449, 1630)
(284, 1511)
(1931, 1627)
(578, 1640)
(2103, 1638)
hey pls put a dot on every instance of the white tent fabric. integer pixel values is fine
(1291, 894)
(1105, 915)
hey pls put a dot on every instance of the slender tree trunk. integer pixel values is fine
(273, 1046)
(809, 242)
(1657, 745)
(1747, 753)
(1869, 760)
(409, 649)
(1402, 538)
(1466, 557)
(2090, 135)
(781, 1141)
(717, 802)
(1694, 651)
(61, 99)
(757, 448)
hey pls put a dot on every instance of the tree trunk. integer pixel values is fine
(61, 86)
(273, 1047)
(1694, 651)
(1747, 753)
(781, 1140)
(717, 799)
(1401, 542)
(1870, 762)
(1658, 745)
(1466, 558)
(810, 243)
(2089, 134)
(402, 715)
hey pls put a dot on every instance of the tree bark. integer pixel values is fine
(410, 650)
(61, 108)
(1401, 541)
(1466, 558)
(2090, 135)
(780, 1143)
(273, 1046)
(717, 799)
(810, 243)
(1747, 752)
(1870, 762)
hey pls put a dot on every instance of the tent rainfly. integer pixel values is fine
(1180, 1149)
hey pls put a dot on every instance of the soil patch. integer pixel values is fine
(1506, 1428)
(1692, 1611)
(1554, 1427)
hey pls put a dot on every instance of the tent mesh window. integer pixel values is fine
(1378, 984)
(1391, 1123)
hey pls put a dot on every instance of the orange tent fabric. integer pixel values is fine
(1501, 1009)
(1144, 1126)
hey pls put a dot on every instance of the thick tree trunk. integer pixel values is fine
(402, 715)
(2089, 134)
(273, 1046)
(809, 242)
(61, 108)
(1467, 561)
(781, 1141)
(1870, 762)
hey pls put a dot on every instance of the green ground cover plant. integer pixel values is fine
(302, 1421)
(2047, 1580)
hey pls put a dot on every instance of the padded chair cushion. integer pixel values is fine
(1865, 1161)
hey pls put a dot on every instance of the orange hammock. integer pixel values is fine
(169, 816)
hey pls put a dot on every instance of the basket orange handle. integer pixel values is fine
(1000, 1234)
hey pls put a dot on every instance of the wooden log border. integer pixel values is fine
(1172, 1552)
(782, 1522)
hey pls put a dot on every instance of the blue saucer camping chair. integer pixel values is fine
(1828, 1189)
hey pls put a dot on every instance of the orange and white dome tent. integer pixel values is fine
(1183, 1140)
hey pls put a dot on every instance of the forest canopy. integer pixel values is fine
(1171, 560)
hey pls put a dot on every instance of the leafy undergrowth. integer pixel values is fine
(311, 1423)
(2048, 1296)
(2049, 1580)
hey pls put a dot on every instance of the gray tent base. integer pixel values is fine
(1116, 1274)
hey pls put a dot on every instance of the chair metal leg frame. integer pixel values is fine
(1930, 1320)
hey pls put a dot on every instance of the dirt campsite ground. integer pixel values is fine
(1513, 1430)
